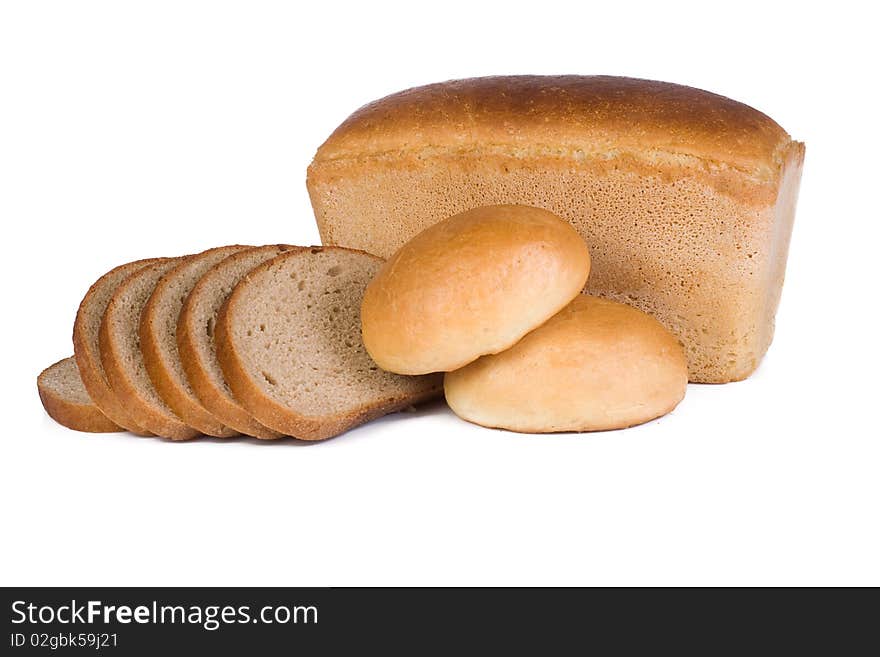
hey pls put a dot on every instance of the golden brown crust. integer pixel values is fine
(72, 413)
(229, 410)
(534, 115)
(472, 284)
(88, 357)
(275, 415)
(595, 366)
(115, 365)
(178, 398)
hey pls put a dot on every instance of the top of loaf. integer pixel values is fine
(571, 115)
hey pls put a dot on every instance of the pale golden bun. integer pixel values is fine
(596, 365)
(470, 285)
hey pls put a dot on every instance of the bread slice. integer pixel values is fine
(158, 340)
(86, 349)
(289, 342)
(121, 355)
(195, 338)
(66, 401)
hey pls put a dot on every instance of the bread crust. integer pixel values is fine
(162, 373)
(87, 351)
(597, 365)
(159, 421)
(71, 413)
(226, 408)
(535, 114)
(270, 412)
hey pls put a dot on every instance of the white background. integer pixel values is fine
(130, 130)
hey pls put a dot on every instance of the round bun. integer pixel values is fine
(470, 285)
(596, 365)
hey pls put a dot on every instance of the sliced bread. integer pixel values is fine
(86, 349)
(158, 341)
(289, 342)
(122, 359)
(66, 401)
(195, 338)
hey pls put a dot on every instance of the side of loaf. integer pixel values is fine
(686, 198)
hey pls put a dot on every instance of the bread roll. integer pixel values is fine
(470, 285)
(686, 198)
(596, 365)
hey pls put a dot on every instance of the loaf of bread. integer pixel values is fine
(472, 284)
(596, 365)
(686, 198)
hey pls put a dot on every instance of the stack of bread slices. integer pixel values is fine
(236, 340)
